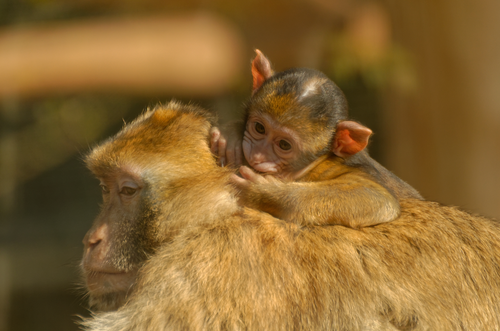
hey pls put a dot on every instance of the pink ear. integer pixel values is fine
(350, 138)
(261, 70)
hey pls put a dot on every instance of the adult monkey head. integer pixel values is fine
(133, 219)
(294, 117)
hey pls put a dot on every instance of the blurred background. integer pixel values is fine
(423, 74)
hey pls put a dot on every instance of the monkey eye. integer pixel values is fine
(260, 128)
(104, 188)
(285, 145)
(128, 191)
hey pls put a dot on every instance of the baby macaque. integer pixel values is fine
(310, 161)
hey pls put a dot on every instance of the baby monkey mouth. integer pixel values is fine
(266, 168)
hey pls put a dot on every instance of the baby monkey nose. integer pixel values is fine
(258, 157)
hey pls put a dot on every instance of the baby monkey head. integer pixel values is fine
(291, 118)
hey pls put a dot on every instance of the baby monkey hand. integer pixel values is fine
(250, 177)
(255, 189)
(226, 144)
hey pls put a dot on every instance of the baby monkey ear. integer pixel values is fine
(261, 70)
(350, 138)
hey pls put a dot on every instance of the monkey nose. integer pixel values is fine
(260, 154)
(258, 158)
(95, 236)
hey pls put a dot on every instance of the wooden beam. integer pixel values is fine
(190, 55)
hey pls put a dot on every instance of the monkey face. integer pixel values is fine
(114, 247)
(269, 147)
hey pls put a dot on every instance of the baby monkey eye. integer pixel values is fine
(285, 145)
(128, 191)
(260, 128)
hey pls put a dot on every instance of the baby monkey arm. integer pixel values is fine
(351, 199)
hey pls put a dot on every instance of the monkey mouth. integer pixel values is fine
(106, 281)
(265, 167)
(93, 273)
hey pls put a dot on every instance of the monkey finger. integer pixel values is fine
(250, 175)
(222, 151)
(214, 140)
(230, 154)
(233, 152)
(239, 182)
(247, 173)
(238, 155)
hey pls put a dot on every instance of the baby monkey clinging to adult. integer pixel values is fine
(315, 169)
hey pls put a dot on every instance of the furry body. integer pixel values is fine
(217, 266)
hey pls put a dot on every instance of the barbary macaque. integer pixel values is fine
(295, 129)
(177, 252)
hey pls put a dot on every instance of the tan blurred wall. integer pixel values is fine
(445, 138)
(191, 54)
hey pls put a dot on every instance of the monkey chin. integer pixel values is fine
(107, 301)
(108, 291)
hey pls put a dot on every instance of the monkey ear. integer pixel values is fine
(350, 138)
(261, 70)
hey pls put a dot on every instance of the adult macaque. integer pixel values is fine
(295, 129)
(130, 225)
(171, 231)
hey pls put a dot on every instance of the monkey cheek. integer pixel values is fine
(247, 150)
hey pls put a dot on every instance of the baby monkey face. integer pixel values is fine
(270, 147)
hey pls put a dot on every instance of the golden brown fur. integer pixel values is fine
(222, 267)
(332, 193)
